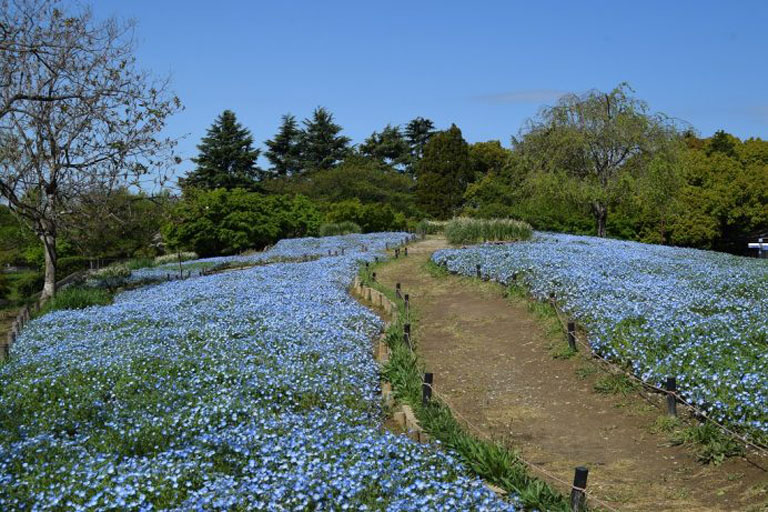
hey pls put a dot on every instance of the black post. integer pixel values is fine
(398, 294)
(578, 493)
(572, 335)
(478, 270)
(397, 253)
(671, 398)
(407, 329)
(373, 277)
(376, 259)
(405, 251)
(342, 251)
(426, 389)
(407, 300)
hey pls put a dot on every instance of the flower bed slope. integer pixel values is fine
(251, 390)
(698, 315)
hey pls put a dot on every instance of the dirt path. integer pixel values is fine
(492, 358)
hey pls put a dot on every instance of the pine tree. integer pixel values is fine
(322, 147)
(417, 133)
(227, 158)
(443, 173)
(284, 151)
(388, 147)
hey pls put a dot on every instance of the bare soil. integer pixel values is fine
(493, 360)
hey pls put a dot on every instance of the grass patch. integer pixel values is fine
(710, 444)
(491, 460)
(464, 230)
(615, 384)
(77, 298)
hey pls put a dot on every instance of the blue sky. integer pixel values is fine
(487, 66)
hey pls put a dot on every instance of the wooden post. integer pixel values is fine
(671, 399)
(376, 259)
(578, 492)
(406, 298)
(407, 329)
(479, 274)
(572, 335)
(426, 389)
(342, 251)
(397, 253)
(397, 291)
(405, 251)
(373, 277)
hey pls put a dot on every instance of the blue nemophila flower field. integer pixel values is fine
(249, 390)
(698, 315)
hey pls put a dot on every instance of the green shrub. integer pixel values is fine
(5, 288)
(71, 264)
(464, 230)
(29, 285)
(77, 298)
(339, 228)
(215, 222)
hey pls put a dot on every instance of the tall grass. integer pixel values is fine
(464, 230)
(339, 228)
(76, 298)
(431, 227)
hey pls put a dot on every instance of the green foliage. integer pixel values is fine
(284, 151)
(71, 264)
(77, 298)
(230, 221)
(322, 147)
(596, 144)
(443, 173)
(370, 217)
(417, 133)
(29, 284)
(388, 147)
(5, 287)
(227, 158)
(615, 384)
(339, 228)
(356, 179)
(431, 227)
(464, 230)
(712, 445)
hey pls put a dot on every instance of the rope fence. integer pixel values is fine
(674, 395)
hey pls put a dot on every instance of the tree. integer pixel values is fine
(284, 151)
(220, 221)
(724, 143)
(443, 173)
(77, 116)
(417, 133)
(227, 158)
(322, 147)
(595, 142)
(388, 147)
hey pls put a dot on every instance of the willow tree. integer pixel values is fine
(77, 116)
(594, 146)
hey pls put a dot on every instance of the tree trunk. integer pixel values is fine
(51, 258)
(601, 216)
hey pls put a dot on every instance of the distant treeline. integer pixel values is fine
(598, 163)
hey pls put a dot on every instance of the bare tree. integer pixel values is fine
(77, 116)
